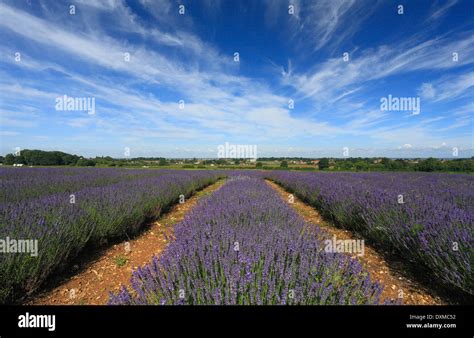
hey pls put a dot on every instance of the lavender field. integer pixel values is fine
(242, 244)
(65, 210)
(426, 218)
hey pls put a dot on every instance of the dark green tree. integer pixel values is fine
(430, 164)
(323, 164)
(83, 162)
(9, 159)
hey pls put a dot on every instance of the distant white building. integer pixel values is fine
(18, 164)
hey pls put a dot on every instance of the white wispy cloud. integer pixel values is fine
(322, 23)
(439, 8)
(255, 111)
(331, 78)
(427, 91)
(448, 87)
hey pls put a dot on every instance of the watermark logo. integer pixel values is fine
(400, 10)
(11, 245)
(400, 199)
(291, 104)
(72, 294)
(126, 152)
(37, 321)
(69, 103)
(291, 9)
(393, 103)
(291, 199)
(351, 246)
(127, 247)
(237, 151)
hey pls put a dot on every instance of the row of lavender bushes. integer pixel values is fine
(245, 245)
(21, 184)
(108, 203)
(426, 218)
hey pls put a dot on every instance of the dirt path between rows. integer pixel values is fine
(113, 266)
(389, 274)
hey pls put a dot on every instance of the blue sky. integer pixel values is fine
(426, 53)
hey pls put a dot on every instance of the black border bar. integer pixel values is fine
(138, 321)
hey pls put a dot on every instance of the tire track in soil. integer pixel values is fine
(113, 266)
(390, 275)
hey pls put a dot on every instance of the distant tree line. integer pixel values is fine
(370, 164)
(40, 157)
(59, 158)
(49, 158)
(373, 164)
